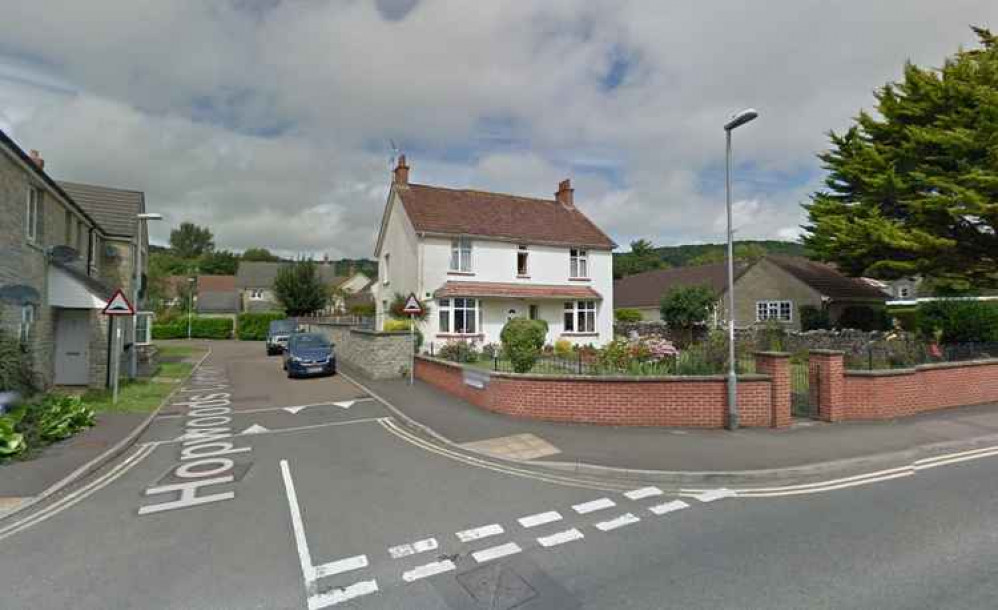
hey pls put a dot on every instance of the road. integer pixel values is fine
(254, 491)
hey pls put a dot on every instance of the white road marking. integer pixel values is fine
(593, 506)
(294, 410)
(341, 565)
(429, 569)
(495, 552)
(560, 538)
(413, 548)
(715, 494)
(340, 595)
(345, 404)
(480, 532)
(331, 424)
(644, 492)
(621, 521)
(540, 518)
(669, 507)
(255, 429)
(298, 527)
(955, 459)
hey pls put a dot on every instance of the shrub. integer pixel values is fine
(393, 326)
(254, 326)
(366, 310)
(626, 315)
(15, 367)
(563, 348)
(905, 317)
(959, 321)
(11, 441)
(459, 351)
(770, 336)
(490, 351)
(814, 318)
(685, 307)
(864, 317)
(522, 341)
(52, 418)
(201, 328)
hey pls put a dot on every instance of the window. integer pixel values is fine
(458, 316)
(27, 321)
(579, 263)
(460, 255)
(521, 261)
(256, 294)
(580, 316)
(533, 312)
(94, 252)
(903, 292)
(781, 311)
(33, 214)
(143, 328)
(386, 270)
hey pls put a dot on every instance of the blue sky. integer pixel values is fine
(272, 121)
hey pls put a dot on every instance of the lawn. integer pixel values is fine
(144, 395)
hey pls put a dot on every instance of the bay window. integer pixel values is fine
(578, 263)
(580, 316)
(458, 316)
(460, 255)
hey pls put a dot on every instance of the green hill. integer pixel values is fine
(628, 263)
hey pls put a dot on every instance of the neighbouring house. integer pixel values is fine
(217, 296)
(60, 264)
(255, 284)
(773, 288)
(478, 259)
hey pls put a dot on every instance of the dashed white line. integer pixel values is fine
(595, 505)
(480, 532)
(340, 595)
(429, 569)
(341, 565)
(495, 552)
(404, 550)
(560, 538)
(644, 492)
(621, 521)
(540, 518)
(669, 507)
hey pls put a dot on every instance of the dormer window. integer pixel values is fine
(522, 254)
(460, 255)
(578, 263)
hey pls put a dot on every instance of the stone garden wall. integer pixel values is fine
(375, 354)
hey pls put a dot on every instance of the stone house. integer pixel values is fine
(773, 288)
(59, 266)
(255, 284)
(479, 259)
(217, 296)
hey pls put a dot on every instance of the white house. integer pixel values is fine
(478, 259)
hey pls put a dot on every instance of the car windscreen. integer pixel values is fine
(310, 341)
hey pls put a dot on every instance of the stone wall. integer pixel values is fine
(378, 355)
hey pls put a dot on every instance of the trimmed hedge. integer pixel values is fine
(201, 328)
(864, 317)
(959, 321)
(254, 326)
(626, 314)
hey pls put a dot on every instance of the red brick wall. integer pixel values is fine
(777, 367)
(683, 402)
(890, 394)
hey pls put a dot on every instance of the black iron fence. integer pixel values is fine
(907, 354)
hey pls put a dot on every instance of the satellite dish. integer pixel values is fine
(63, 254)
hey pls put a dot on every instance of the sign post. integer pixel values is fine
(117, 306)
(414, 308)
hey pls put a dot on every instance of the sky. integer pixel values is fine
(273, 122)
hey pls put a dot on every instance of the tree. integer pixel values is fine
(642, 257)
(299, 289)
(522, 340)
(190, 241)
(219, 262)
(913, 189)
(260, 255)
(685, 307)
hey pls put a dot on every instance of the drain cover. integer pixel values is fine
(496, 587)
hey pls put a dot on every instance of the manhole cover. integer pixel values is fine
(496, 587)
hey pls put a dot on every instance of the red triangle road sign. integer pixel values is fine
(119, 305)
(412, 305)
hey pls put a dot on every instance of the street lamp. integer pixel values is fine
(736, 121)
(133, 358)
(190, 304)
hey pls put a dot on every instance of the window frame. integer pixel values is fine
(33, 214)
(579, 317)
(447, 318)
(143, 334)
(256, 294)
(770, 310)
(522, 254)
(28, 318)
(461, 253)
(578, 263)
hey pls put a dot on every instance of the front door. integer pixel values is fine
(72, 347)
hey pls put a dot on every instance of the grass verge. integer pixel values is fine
(144, 395)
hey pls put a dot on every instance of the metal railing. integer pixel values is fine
(908, 354)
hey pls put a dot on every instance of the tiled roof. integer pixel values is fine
(114, 209)
(434, 209)
(218, 302)
(216, 283)
(827, 280)
(260, 274)
(517, 291)
(647, 289)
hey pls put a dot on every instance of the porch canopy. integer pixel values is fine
(515, 291)
(72, 289)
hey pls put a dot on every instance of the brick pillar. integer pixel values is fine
(777, 366)
(826, 372)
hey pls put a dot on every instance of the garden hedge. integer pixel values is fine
(201, 328)
(254, 326)
(959, 321)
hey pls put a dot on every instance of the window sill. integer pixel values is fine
(579, 334)
(452, 272)
(460, 336)
(580, 279)
(523, 277)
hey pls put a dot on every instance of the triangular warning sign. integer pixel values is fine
(119, 305)
(412, 305)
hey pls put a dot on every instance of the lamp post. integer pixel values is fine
(190, 304)
(133, 358)
(734, 122)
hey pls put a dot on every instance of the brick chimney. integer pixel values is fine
(36, 158)
(401, 172)
(564, 194)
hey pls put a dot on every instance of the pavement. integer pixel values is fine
(807, 448)
(250, 490)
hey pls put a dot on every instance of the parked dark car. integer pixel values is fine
(309, 354)
(277, 335)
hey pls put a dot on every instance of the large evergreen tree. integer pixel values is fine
(191, 241)
(914, 188)
(299, 288)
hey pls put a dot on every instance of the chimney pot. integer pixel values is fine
(401, 172)
(36, 158)
(564, 196)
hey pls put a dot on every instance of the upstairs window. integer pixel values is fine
(33, 216)
(256, 294)
(578, 263)
(580, 316)
(460, 255)
(781, 311)
(521, 261)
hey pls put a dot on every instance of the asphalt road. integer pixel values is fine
(313, 495)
